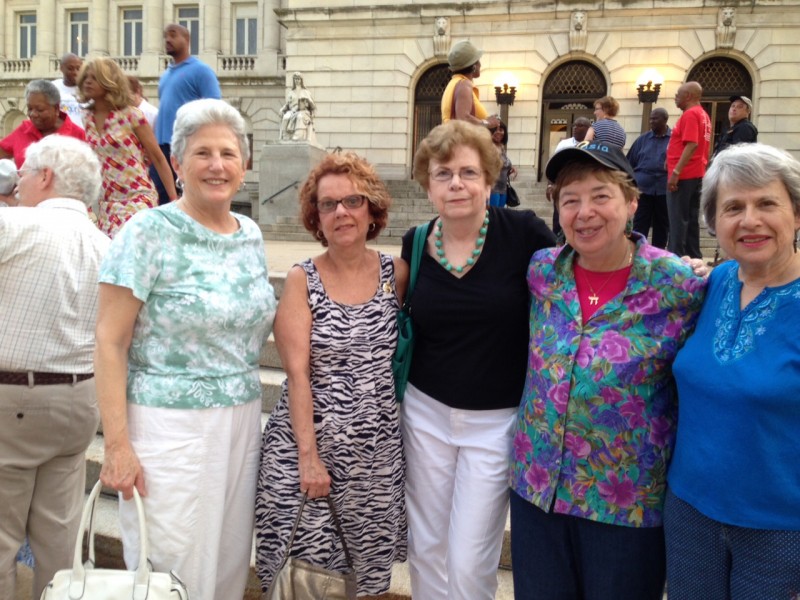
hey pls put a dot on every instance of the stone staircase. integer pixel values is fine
(411, 207)
(109, 546)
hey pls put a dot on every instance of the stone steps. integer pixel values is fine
(411, 207)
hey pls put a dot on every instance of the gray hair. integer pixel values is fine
(46, 89)
(199, 113)
(749, 166)
(76, 169)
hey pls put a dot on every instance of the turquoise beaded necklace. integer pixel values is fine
(475, 253)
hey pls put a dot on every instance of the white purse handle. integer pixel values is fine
(142, 578)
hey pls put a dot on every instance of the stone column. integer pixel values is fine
(98, 35)
(153, 43)
(212, 25)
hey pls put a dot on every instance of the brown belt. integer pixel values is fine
(21, 378)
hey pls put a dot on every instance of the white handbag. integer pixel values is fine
(84, 582)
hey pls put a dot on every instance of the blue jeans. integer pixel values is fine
(163, 197)
(709, 559)
(560, 557)
(496, 199)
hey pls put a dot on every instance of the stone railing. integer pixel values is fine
(127, 63)
(21, 65)
(238, 63)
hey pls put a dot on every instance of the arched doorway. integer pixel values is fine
(428, 101)
(721, 78)
(569, 92)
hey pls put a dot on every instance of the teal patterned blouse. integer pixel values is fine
(596, 425)
(208, 307)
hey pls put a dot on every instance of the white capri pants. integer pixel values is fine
(456, 496)
(200, 468)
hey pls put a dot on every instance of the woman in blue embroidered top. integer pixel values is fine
(185, 305)
(732, 514)
(595, 428)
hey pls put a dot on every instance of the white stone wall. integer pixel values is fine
(362, 59)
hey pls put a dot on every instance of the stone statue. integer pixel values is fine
(441, 36)
(726, 28)
(577, 31)
(297, 122)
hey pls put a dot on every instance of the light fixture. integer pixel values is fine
(505, 91)
(648, 86)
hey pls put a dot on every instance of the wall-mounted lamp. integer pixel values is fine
(505, 95)
(648, 87)
(505, 91)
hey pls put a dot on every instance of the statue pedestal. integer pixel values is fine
(283, 168)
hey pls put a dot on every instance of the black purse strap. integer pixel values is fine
(336, 523)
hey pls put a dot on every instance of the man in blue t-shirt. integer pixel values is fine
(186, 79)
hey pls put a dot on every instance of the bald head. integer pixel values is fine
(580, 127)
(688, 95)
(658, 121)
(177, 42)
(70, 66)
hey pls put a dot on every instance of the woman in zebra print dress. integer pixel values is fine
(335, 429)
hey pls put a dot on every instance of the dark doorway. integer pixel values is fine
(428, 101)
(569, 93)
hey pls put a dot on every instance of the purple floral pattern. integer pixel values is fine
(596, 425)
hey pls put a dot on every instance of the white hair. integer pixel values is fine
(76, 169)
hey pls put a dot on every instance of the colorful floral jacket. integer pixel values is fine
(596, 424)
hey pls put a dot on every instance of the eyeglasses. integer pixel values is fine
(23, 170)
(467, 174)
(494, 129)
(328, 205)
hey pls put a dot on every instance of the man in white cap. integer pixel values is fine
(460, 98)
(741, 130)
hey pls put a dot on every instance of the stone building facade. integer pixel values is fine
(376, 67)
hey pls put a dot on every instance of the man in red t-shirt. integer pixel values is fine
(687, 157)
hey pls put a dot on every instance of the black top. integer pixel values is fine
(471, 334)
(743, 132)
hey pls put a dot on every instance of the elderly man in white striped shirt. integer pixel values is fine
(50, 253)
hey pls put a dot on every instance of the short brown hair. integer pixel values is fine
(441, 144)
(578, 170)
(609, 105)
(111, 78)
(366, 181)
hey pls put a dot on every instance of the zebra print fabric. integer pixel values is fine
(358, 437)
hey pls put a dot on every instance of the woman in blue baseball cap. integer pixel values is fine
(596, 425)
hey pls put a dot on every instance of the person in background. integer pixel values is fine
(648, 156)
(508, 172)
(44, 118)
(606, 129)
(124, 142)
(741, 130)
(336, 428)
(149, 111)
(469, 310)
(687, 157)
(185, 79)
(50, 254)
(731, 519)
(580, 127)
(185, 307)
(67, 86)
(596, 425)
(460, 97)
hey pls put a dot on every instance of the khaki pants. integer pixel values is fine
(44, 433)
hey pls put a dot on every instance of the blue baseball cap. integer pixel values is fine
(608, 155)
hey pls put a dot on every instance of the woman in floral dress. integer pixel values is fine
(124, 141)
(596, 426)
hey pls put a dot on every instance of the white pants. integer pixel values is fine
(200, 469)
(456, 495)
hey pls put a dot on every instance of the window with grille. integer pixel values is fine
(189, 17)
(578, 80)
(79, 32)
(27, 35)
(132, 27)
(722, 77)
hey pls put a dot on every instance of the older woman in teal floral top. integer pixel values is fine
(597, 421)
